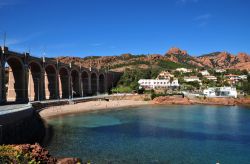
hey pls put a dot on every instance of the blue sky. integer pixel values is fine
(112, 27)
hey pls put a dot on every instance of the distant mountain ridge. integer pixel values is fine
(173, 58)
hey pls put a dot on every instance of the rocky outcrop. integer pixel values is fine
(36, 152)
(27, 153)
(171, 100)
(226, 60)
(214, 101)
(176, 51)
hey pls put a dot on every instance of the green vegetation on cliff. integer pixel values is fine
(10, 154)
(129, 80)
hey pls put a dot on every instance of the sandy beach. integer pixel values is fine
(89, 106)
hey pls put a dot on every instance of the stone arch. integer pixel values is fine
(75, 83)
(15, 79)
(85, 83)
(35, 90)
(64, 83)
(94, 83)
(101, 83)
(50, 82)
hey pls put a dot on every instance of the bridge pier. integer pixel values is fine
(97, 85)
(89, 85)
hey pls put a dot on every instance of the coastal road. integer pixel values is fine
(5, 109)
(13, 108)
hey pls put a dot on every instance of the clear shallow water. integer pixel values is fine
(158, 134)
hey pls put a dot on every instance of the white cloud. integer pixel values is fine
(203, 20)
(17, 41)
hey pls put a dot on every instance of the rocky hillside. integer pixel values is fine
(172, 59)
(119, 63)
(226, 60)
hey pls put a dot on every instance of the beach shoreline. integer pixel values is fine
(102, 105)
(90, 106)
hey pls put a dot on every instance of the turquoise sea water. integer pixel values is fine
(156, 134)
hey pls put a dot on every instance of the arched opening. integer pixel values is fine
(75, 83)
(101, 84)
(14, 80)
(50, 82)
(93, 84)
(85, 83)
(35, 90)
(64, 83)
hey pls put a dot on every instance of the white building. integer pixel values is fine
(211, 78)
(232, 79)
(191, 79)
(243, 77)
(220, 92)
(205, 73)
(158, 83)
(185, 70)
(220, 70)
(165, 75)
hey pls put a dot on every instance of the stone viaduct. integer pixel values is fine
(26, 78)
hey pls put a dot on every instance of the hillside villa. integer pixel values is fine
(184, 70)
(158, 83)
(191, 79)
(211, 78)
(233, 79)
(205, 73)
(165, 75)
(220, 70)
(220, 92)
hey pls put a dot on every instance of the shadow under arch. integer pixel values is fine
(51, 88)
(75, 83)
(101, 83)
(35, 89)
(15, 80)
(85, 83)
(64, 83)
(93, 84)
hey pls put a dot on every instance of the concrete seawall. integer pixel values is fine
(21, 125)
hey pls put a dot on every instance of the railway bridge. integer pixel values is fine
(26, 78)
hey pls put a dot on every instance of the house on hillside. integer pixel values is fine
(211, 78)
(220, 92)
(191, 79)
(184, 70)
(158, 83)
(243, 77)
(220, 70)
(205, 73)
(232, 79)
(165, 75)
